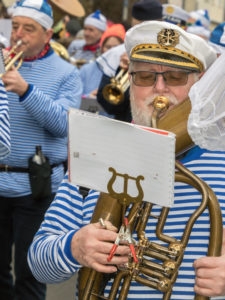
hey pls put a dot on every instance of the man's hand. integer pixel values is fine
(14, 82)
(92, 244)
(210, 274)
(124, 61)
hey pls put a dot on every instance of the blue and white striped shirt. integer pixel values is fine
(4, 123)
(40, 118)
(50, 256)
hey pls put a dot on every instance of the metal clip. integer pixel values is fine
(124, 235)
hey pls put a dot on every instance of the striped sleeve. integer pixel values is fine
(4, 123)
(49, 256)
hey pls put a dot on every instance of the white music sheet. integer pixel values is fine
(98, 143)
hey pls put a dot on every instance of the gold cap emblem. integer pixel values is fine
(168, 37)
(170, 10)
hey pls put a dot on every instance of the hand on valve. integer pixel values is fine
(91, 246)
(124, 61)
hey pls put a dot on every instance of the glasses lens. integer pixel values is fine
(147, 78)
(174, 78)
(144, 78)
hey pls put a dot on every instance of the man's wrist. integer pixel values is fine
(24, 91)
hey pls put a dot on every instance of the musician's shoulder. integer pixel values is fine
(76, 44)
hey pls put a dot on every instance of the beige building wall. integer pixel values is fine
(216, 8)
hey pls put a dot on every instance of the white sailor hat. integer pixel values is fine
(96, 19)
(175, 14)
(165, 43)
(38, 10)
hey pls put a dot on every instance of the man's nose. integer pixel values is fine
(160, 83)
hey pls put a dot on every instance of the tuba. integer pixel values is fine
(162, 274)
(114, 91)
(60, 50)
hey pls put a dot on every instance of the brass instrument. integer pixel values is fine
(147, 272)
(12, 57)
(63, 53)
(114, 91)
(60, 50)
(176, 122)
(78, 62)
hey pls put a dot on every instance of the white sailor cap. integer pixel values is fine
(165, 43)
(175, 14)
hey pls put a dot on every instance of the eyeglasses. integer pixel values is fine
(148, 78)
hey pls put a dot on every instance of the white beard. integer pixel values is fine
(139, 116)
(142, 114)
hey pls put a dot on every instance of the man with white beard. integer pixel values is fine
(165, 61)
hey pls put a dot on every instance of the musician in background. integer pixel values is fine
(91, 73)
(176, 15)
(40, 93)
(199, 23)
(116, 59)
(88, 49)
(72, 27)
(165, 61)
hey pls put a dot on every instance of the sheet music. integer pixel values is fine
(97, 143)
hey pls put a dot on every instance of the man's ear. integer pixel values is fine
(49, 33)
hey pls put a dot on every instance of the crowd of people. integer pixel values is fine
(46, 220)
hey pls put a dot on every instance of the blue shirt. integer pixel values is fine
(4, 123)
(50, 257)
(40, 118)
(91, 76)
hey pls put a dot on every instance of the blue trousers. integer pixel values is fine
(20, 218)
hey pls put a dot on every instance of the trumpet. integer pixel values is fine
(114, 91)
(12, 57)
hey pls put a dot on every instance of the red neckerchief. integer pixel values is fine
(40, 55)
(92, 48)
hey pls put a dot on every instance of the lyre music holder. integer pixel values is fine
(124, 198)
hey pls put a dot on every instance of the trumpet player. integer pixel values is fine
(118, 61)
(40, 92)
(165, 61)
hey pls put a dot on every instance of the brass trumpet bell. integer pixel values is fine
(114, 91)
